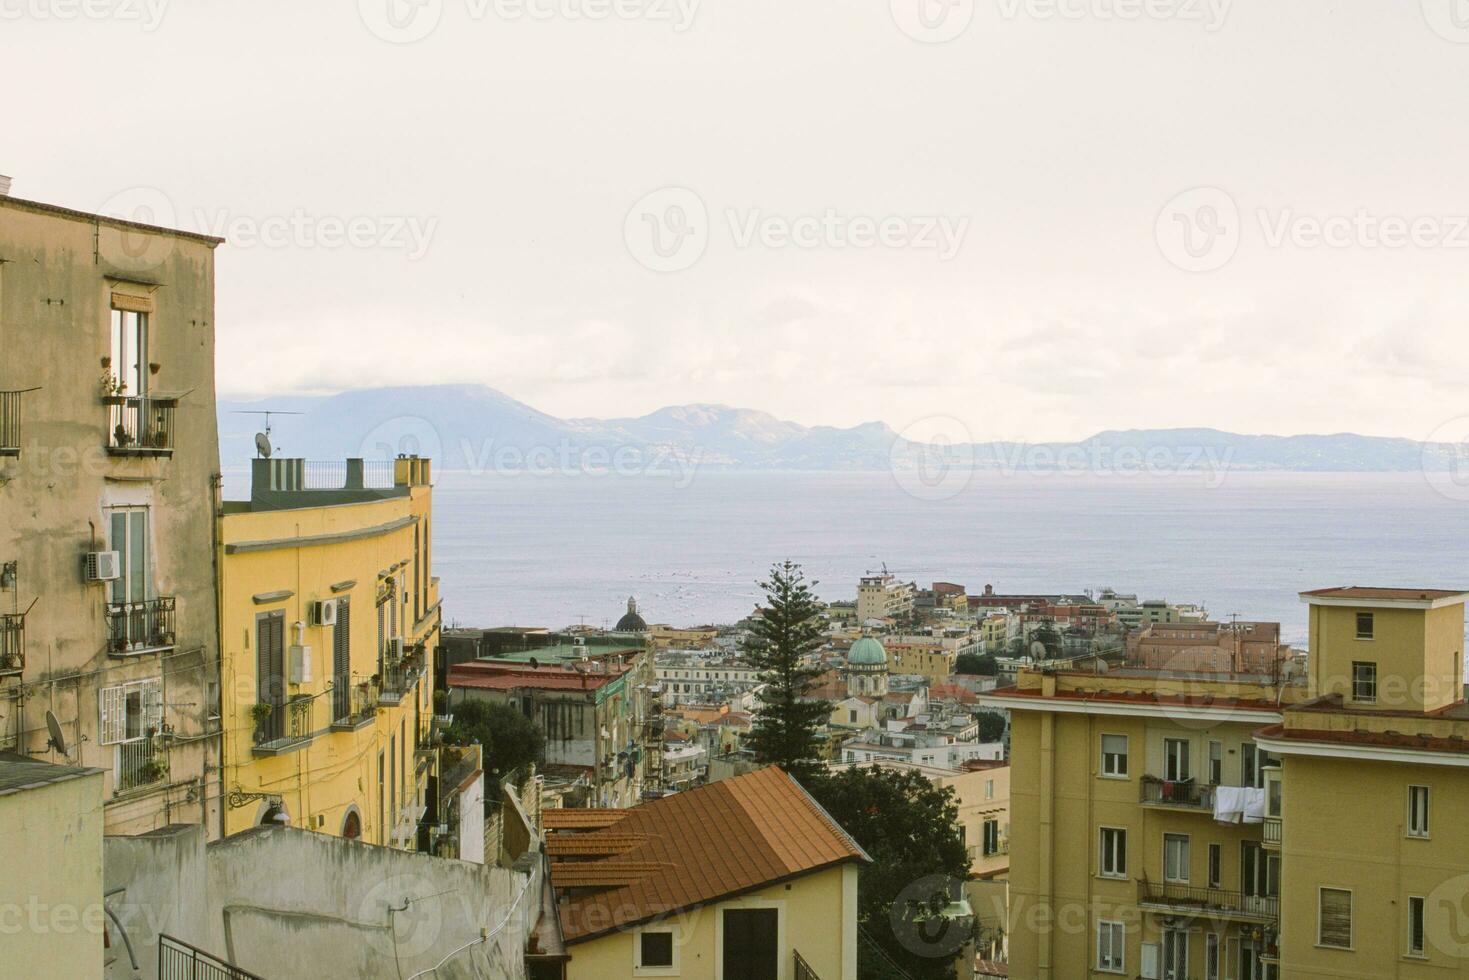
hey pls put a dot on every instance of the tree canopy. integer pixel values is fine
(787, 724)
(508, 739)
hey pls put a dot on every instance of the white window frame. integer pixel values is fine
(1214, 943)
(1121, 837)
(1421, 904)
(1216, 762)
(1185, 853)
(1356, 683)
(1321, 890)
(1417, 825)
(1371, 633)
(638, 969)
(1215, 872)
(1114, 772)
(1181, 773)
(112, 713)
(1180, 941)
(1115, 934)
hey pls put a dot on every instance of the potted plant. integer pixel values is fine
(260, 714)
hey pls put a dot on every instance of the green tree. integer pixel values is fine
(787, 722)
(910, 829)
(991, 726)
(508, 739)
(976, 663)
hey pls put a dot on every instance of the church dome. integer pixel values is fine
(631, 622)
(867, 652)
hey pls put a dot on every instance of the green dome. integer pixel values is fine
(867, 651)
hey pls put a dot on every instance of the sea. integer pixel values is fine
(556, 549)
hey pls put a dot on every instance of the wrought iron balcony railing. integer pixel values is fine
(140, 627)
(1271, 832)
(1212, 902)
(353, 703)
(12, 643)
(140, 426)
(284, 727)
(803, 969)
(1184, 794)
(10, 422)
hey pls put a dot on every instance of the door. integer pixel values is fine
(1175, 955)
(270, 667)
(751, 944)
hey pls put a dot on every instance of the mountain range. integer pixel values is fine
(476, 428)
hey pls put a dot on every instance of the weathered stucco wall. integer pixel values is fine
(274, 899)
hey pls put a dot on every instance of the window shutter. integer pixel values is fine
(112, 723)
(1336, 917)
(1150, 965)
(152, 699)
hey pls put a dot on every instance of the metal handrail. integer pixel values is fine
(803, 969)
(1208, 900)
(177, 960)
(140, 424)
(145, 625)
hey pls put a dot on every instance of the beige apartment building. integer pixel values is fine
(883, 597)
(1172, 825)
(109, 458)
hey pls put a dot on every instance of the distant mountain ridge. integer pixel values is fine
(476, 428)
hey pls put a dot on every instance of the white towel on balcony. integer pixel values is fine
(1254, 805)
(1239, 804)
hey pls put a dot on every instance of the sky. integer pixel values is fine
(1030, 219)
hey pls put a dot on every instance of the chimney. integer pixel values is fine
(4, 186)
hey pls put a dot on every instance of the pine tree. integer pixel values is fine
(787, 722)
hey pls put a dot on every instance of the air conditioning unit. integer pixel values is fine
(395, 647)
(103, 566)
(323, 612)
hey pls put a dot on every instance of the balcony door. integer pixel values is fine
(342, 661)
(270, 666)
(128, 536)
(751, 944)
(130, 352)
(1175, 955)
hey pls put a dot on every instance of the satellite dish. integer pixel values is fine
(262, 445)
(57, 740)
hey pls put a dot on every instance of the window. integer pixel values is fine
(852, 716)
(1364, 626)
(1114, 756)
(1111, 946)
(1175, 954)
(130, 352)
(1364, 681)
(1415, 926)
(1213, 961)
(1175, 858)
(1334, 918)
(1216, 763)
(1417, 811)
(1113, 853)
(1216, 865)
(989, 789)
(655, 949)
(991, 837)
(1253, 765)
(1175, 760)
(128, 536)
(130, 711)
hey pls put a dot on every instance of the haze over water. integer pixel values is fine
(543, 550)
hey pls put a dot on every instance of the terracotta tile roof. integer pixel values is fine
(699, 846)
(580, 819)
(590, 845)
(950, 691)
(544, 678)
(1392, 740)
(1362, 592)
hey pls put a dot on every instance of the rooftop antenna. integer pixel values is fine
(262, 439)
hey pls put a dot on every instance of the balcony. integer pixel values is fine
(12, 643)
(140, 763)
(10, 422)
(1176, 795)
(1271, 834)
(135, 628)
(1212, 903)
(803, 969)
(353, 705)
(140, 426)
(398, 680)
(282, 728)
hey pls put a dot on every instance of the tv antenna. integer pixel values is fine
(262, 439)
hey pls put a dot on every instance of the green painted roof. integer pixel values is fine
(867, 651)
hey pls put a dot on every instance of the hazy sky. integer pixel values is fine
(1042, 217)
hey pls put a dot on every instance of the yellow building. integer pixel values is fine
(931, 661)
(330, 616)
(747, 877)
(1339, 857)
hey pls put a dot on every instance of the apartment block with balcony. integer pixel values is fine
(883, 597)
(330, 618)
(1137, 840)
(108, 462)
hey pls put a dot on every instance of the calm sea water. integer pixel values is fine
(553, 550)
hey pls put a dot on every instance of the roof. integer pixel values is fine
(580, 819)
(1363, 595)
(867, 651)
(89, 217)
(18, 773)
(695, 847)
(544, 678)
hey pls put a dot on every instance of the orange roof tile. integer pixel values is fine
(702, 845)
(1363, 592)
(580, 819)
(590, 845)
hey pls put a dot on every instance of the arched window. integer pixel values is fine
(352, 825)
